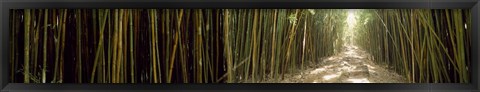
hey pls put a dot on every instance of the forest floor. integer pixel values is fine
(352, 65)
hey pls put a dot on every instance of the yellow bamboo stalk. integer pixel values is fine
(152, 21)
(254, 55)
(175, 46)
(272, 70)
(120, 47)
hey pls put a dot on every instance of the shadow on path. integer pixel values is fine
(352, 65)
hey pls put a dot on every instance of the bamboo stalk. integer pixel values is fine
(292, 34)
(36, 34)
(115, 47)
(109, 52)
(155, 78)
(26, 66)
(79, 45)
(175, 46)
(132, 59)
(255, 19)
(228, 49)
(120, 48)
(63, 44)
(44, 70)
(100, 45)
(156, 46)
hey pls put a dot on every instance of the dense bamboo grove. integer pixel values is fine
(167, 45)
(227, 45)
(426, 46)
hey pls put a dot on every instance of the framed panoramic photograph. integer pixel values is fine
(211, 45)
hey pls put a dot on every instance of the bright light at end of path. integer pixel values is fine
(351, 23)
(351, 19)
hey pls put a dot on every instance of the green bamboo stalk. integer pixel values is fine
(182, 50)
(204, 61)
(156, 46)
(196, 48)
(261, 47)
(103, 67)
(98, 69)
(124, 59)
(63, 44)
(179, 22)
(254, 30)
(209, 56)
(100, 44)
(36, 34)
(125, 49)
(169, 19)
(303, 48)
(280, 28)
(26, 66)
(242, 46)
(79, 47)
(291, 37)
(115, 48)
(120, 47)
(132, 59)
(110, 47)
(44, 70)
(217, 43)
(461, 53)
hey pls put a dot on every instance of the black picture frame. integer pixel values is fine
(6, 5)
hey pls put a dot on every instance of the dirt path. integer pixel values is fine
(352, 65)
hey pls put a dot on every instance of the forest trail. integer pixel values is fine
(352, 65)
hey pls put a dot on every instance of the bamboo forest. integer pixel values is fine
(240, 46)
